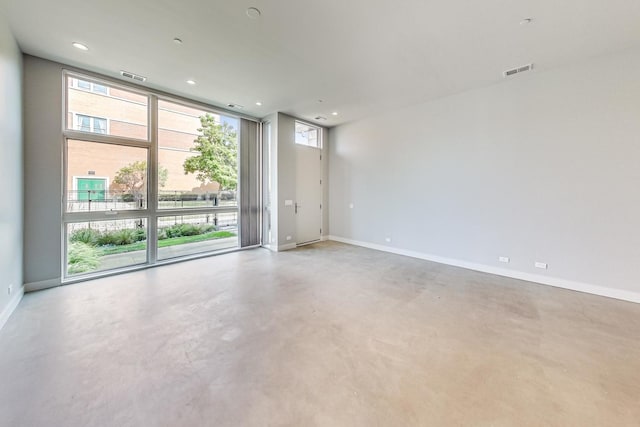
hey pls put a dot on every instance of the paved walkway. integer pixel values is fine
(109, 262)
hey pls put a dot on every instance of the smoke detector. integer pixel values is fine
(132, 76)
(518, 70)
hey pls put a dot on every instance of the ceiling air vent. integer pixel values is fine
(517, 70)
(129, 75)
(320, 118)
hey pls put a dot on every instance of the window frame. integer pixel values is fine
(71, 278)
(92, 86)
(92, 119)
(221, 209)
(76, 134)
(151, 212)
(318, 129)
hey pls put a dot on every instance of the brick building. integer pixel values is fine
(111, 111)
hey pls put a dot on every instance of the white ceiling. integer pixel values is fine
(358, 56)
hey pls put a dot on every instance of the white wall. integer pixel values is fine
(11, 172)
(43, 172)
(542, 167)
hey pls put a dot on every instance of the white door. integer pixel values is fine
(308, 194)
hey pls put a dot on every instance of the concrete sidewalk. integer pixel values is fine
(109, 262)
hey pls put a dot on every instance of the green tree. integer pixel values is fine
(217, 158)
(132, 179)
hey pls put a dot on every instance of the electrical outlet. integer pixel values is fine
(350, 205)
(503, 259)
(288, 237)
(542, 265)
(387, 239)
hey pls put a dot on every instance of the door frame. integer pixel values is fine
(317, 149)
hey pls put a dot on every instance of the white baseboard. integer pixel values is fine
(290, 246)
(9, 309)
(44, 284)
(529, 277)
(286, 247)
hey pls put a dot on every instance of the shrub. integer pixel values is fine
(178, 197)
(208, 228)
(141, 235)
(107, 238)
(81, 258)
(173, 231)
(128, 198)
(179, 230)
(190, 230)
(122, 237)
(125, 236)
(85, 235)
(227, 195)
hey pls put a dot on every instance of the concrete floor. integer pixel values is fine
(326, 335)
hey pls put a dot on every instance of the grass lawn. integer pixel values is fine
(140, 246)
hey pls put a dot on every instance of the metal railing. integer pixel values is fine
(173, 199)
(221, 220)
(106, 200)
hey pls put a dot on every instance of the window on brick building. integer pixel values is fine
(91, 124)
(90, 86)
(101, 108)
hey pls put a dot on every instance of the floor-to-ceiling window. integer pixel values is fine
(147, 178)
(197, 180)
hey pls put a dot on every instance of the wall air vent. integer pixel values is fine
(132, 76)
(517, 70)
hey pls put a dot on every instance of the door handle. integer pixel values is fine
(297, 206)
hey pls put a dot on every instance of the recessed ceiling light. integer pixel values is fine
(335, 113)
(79, 46)
(253, 13)
(259, 104)
(191, 82)
(177, 41)
(526, 21)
